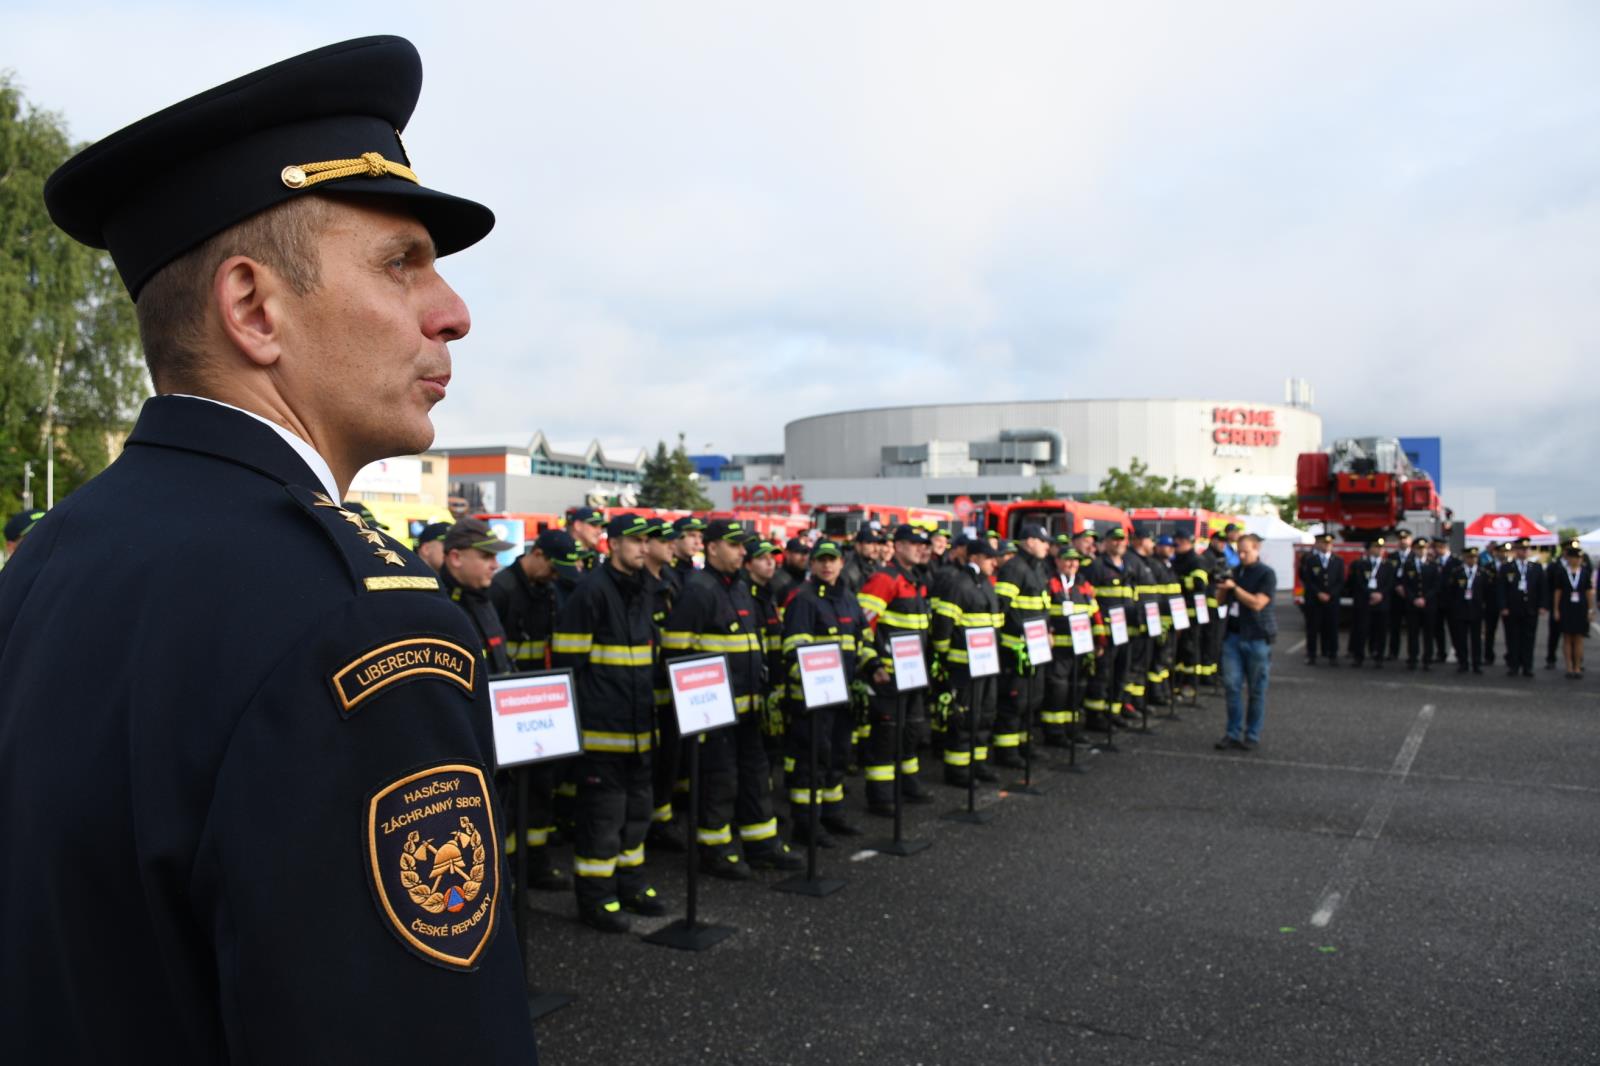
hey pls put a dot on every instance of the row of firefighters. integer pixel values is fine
(1426, 592)
(615, 625)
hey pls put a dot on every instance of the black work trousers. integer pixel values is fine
(669, 761)
(1064, 687)
(1420, 629)
(878, 761)
(1467, 636)
(972, 715)
(1368, 627)
(1211, 646)
(736, 788)
(1520, 629)
(613, 815)
(834, 727)
(1399, 623)
(1133, 688)
(1322, 628)
(1491, 624)
(1021, 697)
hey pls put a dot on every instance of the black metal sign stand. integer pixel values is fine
(809, 884)
(899, 846)
(539, 1003)
(687, 934)
(971, 815)
(1026, 787)
(1075, 702)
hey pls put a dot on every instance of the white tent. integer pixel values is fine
(1278, 539)
(1590, 541)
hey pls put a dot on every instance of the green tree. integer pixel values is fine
(1045, 491)
(71, 375)
(1567, 534)
(1138, 487)
(1288, 507)
(669, 480)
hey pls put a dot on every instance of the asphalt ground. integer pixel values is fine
(1406, 871)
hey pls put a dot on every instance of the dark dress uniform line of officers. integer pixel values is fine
(615, 620)
(1424, 592)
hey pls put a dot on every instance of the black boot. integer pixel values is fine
(606, 917)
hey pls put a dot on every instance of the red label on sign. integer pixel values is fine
(984, 639)
(823, 659)
(700, 677)
(1036, 629)
(907, 650)
(528, 700)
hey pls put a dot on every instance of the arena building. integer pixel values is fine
(936, 454)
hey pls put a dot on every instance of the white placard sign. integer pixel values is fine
(1119, 626)
(1202, 613)
(1152, 617)
(910, 668)
(1037, 633)
(535, 718)
(1082, 634)
(822, 675)
(700, 694)
(1180, 613)
(983, 652)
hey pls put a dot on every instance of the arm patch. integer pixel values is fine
(400, 661)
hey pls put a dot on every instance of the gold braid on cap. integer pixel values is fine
(369, 165)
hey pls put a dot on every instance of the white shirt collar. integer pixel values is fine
(319, 465)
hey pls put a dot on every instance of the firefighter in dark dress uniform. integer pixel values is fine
(1494, 557)
(1371, 582)
(1405, 585)
(1322, 580)
(303, 833)
(1521, 599)
(1469, 594)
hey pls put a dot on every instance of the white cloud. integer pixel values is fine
(718, 217)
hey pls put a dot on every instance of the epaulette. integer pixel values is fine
(376, 561)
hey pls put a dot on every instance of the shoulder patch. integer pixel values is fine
(400, 661)
(377, 561)
(431, 852)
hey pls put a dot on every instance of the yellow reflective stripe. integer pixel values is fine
(959, 655)
(1007, 740)
(677, 640)
(945, 608)
(957, 758)
(595, 740)
(572, 643)
(982, 754)
(1028, 603)
(1005, 589)
(760, 830)
(622, 654)
(723, 835)
(593, 867)
(742, 704)
(797, 641)
(978, 619)
(909, 766)
(662, 813)
(871, 603)
(833, 794)
(905, 621)
(727, 642)
(880, 773)
(801, 796)
(941, 646)
(634, 856)
(1055, 717)
(526, 649)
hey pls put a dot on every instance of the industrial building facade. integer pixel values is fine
(936, 454)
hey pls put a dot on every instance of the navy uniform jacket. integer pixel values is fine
(1362, 570)
(1316, 577)
(1481, 583)
(257, 821)
(1511, 596)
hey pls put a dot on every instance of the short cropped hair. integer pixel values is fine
(1253, 538)
(172, 306)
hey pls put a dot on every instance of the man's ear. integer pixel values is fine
(247, 299)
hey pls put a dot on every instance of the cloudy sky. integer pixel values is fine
(719, 217)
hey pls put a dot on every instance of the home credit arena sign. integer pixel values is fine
(1243, 427)
(788, 498)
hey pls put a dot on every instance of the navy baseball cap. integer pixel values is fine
(558, 546)
(759, 546)
(628, 525)
(1182, 534)
(728, 530)
(910, 534)
(18, 524)
(324, 123)
(796, 546)
(1117, 533)
(432, 531)
(591, 515)
(1033, 533)
(825, 549)
(980, 546)
(1073, 555)
(687, 524)
(1165, 541)
(869, 534)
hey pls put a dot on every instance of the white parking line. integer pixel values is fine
(1296, 646)
(1360, 849)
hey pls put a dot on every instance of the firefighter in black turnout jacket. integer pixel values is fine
(818, 611)
(527, 595)
(964, 599)
(1068, 675)
(715, 615)
(895, 604)
(1021, 585)
(604, 634)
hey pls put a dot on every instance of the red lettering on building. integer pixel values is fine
(769, 499)
(1260, 431)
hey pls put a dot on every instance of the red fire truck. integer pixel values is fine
(841, 521)
(1167, 521)
(1057, 516)
(1361, 489)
